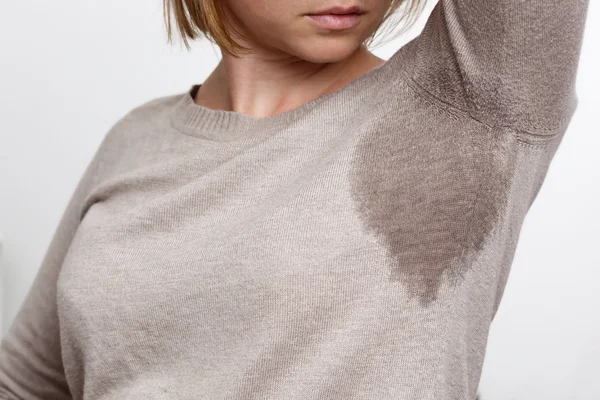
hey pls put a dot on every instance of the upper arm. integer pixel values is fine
(505, 62)
(30, 352)
(31, 364)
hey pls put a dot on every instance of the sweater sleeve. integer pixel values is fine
(504, 62)
(30, 352)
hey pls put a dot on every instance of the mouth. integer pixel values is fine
(337, 18)
(337, 10)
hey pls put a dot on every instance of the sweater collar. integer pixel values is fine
(232, 126)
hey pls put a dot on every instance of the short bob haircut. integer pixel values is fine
(196, 18)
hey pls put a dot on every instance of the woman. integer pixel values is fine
(311, 222)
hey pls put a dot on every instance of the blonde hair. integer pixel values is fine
(196, 18)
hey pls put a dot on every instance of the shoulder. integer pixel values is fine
(136, 136)
(146, 113)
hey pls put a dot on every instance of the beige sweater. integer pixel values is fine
(356, 247)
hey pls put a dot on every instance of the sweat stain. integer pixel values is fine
(432, 194)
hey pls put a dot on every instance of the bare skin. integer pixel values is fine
(292, 61)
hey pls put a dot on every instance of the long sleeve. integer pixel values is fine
(30, 353)
(505, 62)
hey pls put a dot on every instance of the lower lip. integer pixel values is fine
(335, 21)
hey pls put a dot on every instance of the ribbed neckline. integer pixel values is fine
(232, 126)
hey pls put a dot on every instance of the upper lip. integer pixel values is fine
(340, 10)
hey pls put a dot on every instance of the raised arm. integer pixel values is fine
(505, 62)
(30, 353)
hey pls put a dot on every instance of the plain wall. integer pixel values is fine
(69, 70)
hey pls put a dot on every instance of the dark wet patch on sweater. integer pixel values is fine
(431, 193)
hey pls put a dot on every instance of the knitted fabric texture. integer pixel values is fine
(355, 247)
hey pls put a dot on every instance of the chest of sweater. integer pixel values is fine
(203, 253)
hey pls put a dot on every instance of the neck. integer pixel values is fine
(262, 86)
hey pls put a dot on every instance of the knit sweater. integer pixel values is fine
(355, 247)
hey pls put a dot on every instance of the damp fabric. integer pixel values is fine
(355, 247)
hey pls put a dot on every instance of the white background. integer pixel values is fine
(70, 69)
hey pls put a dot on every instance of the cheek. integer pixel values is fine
(265, 18)
(265, 12)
